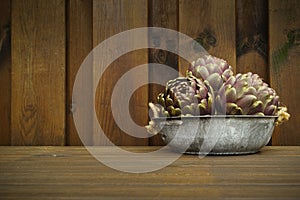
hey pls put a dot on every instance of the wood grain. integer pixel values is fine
(110, 18)
(252, 37)
(212, 18)
(38, 72)
(72, 173)
(80, 43)
(161, 14)
(5, 67)
(284, 34)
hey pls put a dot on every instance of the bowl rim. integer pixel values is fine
(214, 116)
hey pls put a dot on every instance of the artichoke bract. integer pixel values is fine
(211, 88)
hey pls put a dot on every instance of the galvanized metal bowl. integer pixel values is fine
(216, 135)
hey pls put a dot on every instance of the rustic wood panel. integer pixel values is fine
(212, 24)
(38, 72)
(80, 43)
(5, 67)
(71, 173)
(284, 39)
(110, 18)
(37, 90)
(252, 37)
(161, 14)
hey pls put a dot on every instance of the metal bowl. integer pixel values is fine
(216, 135)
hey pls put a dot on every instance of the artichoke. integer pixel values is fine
(211, 88)
(247, 94)
(214, 72)
(184, 96)
(212, 69)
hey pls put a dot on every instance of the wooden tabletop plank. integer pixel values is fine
(72, 173)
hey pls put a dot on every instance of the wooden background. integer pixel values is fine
(43, 43)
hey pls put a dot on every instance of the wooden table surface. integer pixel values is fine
(72, 173)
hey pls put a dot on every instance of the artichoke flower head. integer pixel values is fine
(211, 88)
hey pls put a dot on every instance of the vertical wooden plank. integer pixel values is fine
(80, 43)
(38, 72)
(5, 78)
(284, 37)
(252, 37)
(110, 18)
(161, 14)
(212, 23)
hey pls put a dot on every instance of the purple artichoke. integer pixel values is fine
(211, 88)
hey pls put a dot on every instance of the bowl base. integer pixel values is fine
(221, 153)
